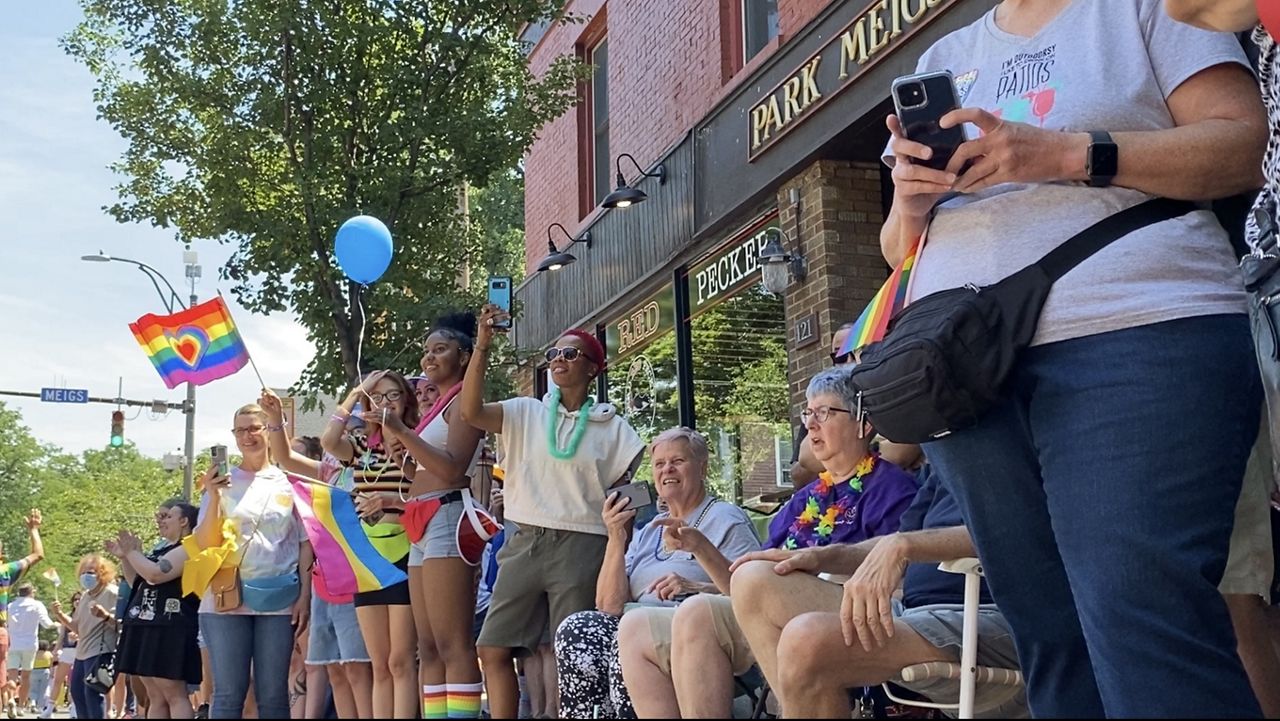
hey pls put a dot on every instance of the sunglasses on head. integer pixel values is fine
(570, 354)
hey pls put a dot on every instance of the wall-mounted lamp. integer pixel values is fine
(625, 196)
(556, 259)
(778, 267)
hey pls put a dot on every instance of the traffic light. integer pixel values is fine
(117, 429)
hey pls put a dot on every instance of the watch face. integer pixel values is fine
(1103, 159)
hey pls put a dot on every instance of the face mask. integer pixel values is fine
(88, 580)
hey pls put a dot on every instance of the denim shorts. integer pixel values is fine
(335, 634)
(441, 537)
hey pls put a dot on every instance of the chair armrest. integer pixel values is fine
(961, 565)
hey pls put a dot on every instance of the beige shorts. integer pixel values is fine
(544, 576)
(728, 634)
(1251, 561)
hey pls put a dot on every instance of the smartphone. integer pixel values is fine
(920, 101)
(218, 454)
(639, 495)
(500, 295)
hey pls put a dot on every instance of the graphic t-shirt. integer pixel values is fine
(1099, 65)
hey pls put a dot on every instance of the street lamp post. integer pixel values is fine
(189, 259)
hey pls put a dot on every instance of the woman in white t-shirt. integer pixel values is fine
(561, 454)
(275, 561)
(1101, 489)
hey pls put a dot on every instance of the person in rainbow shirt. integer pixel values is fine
(668, 655)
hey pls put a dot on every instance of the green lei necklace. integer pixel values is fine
(579, 427)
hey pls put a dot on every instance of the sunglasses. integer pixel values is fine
(841, 358)
(570, 354)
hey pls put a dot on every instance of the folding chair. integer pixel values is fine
(989, 691)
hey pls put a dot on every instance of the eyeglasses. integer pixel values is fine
(841, 358)
(822, 414)
(389, 396)
(251, 430)
(570, 354)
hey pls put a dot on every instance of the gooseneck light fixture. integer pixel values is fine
(778, 267)
(556, 259)
(625, 196)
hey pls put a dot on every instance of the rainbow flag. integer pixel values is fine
(344, 553)
(197, 346)
(892, 296)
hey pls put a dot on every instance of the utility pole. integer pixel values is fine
(190, 260)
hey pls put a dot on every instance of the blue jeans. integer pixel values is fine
(1101, 496)
(89, 703)
(235, 642)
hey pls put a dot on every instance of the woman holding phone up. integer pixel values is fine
(367, 457)
(445, 525)
(562, 454)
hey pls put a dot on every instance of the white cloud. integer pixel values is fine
(64, 322)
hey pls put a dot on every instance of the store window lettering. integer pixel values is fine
(730, 270)
(639, 326)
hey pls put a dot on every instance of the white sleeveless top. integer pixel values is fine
(437, 434)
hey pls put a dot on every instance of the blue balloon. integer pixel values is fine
(363, 248)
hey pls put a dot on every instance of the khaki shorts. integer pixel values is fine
(728, 634)
(1251, 561)
(544, 576)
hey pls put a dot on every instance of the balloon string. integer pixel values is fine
(360, 338)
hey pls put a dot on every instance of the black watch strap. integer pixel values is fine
(1103, 160)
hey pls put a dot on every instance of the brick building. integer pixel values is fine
(757, 120)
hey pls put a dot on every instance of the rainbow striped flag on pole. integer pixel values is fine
(198, 345)
(344, 554)
(892, 296)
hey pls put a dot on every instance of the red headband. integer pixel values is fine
(590, 346)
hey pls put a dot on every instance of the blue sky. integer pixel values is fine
(64, 322)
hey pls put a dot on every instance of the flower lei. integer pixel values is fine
(823, 521)
(579, 427)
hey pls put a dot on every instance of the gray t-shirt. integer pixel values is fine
(725, 525)
(1099, 65)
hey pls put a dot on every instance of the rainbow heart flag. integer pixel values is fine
(892, 296)
(197, 346)
(344, 554)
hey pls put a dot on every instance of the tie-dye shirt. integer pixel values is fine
(9, 573)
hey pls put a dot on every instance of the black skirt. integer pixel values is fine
(160, 651)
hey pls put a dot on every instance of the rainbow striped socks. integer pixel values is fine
(464, 699)
(435, 702)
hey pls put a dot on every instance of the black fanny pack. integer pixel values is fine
(945, 358)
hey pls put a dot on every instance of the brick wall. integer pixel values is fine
(840, 216)
(666, 71)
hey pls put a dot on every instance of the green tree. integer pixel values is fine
(24, 472)
(267, 123)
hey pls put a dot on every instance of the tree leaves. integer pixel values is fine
(267, 123)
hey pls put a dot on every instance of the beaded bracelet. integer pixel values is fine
(335, 418)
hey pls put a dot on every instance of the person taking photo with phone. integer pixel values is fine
(562, 454)
(640, 568)
(251, 612)
(1103, 526)
(446, 527)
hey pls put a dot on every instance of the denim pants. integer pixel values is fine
(1101, 497)
(39, 692)
(235, 642)
(89, 703)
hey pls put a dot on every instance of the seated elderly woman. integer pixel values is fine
(647, 571)
(680, 663)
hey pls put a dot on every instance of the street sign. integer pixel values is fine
(64, 395)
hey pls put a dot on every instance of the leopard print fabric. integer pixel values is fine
(1269, 77)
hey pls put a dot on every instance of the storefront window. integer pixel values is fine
(759, 26)
(642, 376)
(740, 370)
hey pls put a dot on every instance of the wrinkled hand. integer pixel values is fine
(616, 518)
(866, 609)
(490, 314)
(33, 519)
(672, 586)
(917, 187)
(679, 536)
(785, 560)
(1007, 152)
(270, 403)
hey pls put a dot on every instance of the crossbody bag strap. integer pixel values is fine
(1059, 261)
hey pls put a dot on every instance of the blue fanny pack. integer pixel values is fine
(270, 594)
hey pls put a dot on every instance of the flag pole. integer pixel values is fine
(246, 345)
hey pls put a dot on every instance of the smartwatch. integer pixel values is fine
(1102, 159)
